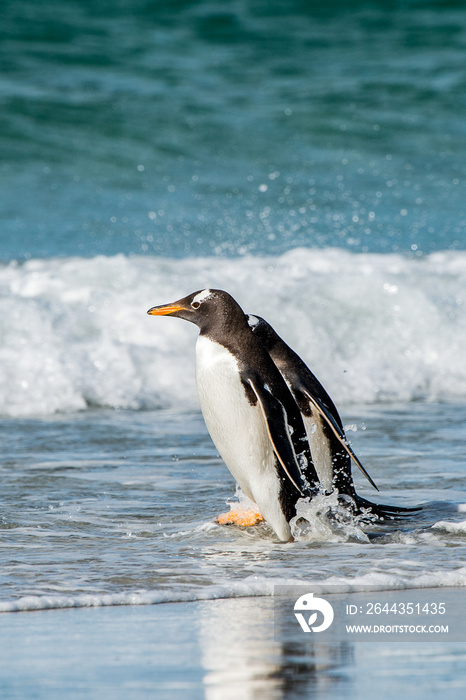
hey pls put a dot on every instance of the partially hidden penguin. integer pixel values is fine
(248, 408)
(331, 452)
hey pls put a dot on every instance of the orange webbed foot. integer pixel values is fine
(242, 517)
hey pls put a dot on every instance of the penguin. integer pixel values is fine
(248, 408)
(330, 449)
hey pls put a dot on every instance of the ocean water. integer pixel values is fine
(195, 127)
(310, 160)
(105, 508)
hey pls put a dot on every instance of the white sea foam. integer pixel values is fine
(248, 587)
(453, 528)
(74, 332)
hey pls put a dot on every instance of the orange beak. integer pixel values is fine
(165, 310)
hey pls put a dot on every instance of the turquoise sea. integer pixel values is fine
(308, 158)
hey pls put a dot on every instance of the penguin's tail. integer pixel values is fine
(382, 511)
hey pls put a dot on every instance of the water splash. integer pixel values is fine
(324, 519)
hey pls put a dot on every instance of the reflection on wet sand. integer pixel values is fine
(248, 654)
(254, 648)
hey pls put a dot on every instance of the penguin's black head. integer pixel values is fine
(209, 309)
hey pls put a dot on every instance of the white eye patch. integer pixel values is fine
(201, 296)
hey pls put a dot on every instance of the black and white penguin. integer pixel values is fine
(330, 449)
(249, 411)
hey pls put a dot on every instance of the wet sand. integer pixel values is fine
(228, 648)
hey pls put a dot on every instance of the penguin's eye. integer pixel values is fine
(195, 304)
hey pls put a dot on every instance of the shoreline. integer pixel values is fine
(88, 601)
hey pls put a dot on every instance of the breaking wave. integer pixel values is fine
(74, 332)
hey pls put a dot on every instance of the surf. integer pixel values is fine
(373, 328)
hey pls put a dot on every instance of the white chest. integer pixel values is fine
(217, 375)
(222, 397)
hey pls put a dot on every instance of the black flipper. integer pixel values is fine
(284, 441)
(339, 434)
